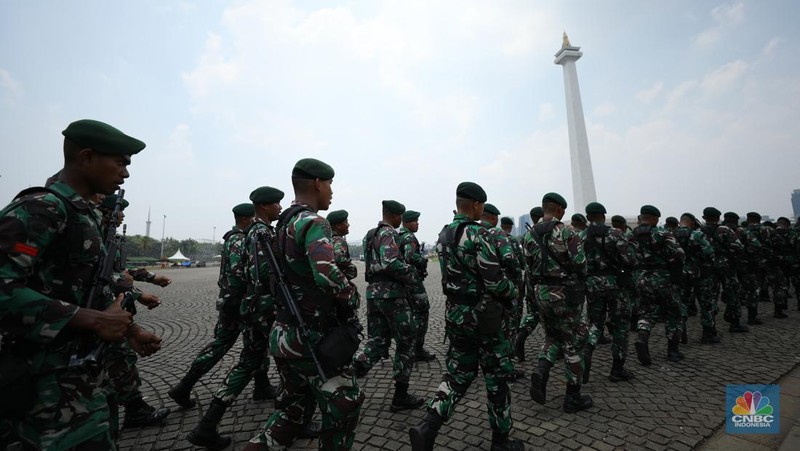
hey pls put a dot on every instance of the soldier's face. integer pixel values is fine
(104, 173)
(273, 211)
(412, 226)
(325, 193)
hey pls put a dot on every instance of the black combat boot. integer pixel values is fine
(140, 414)
(673, 353)
(588, 350)
(752, 313)
(182, 392)
(684, 333)
(603, 339)
(643, 348)
(618, 371)
(402, 400)
(710, 336)
(779, 313)
(423, 435)
(737, 328)
(359, 368)
(574, 401)
(519, 344)
(311, 430)
(423, 355)
(263, 388)
(205, 433)
(500, 442)
(539, 379)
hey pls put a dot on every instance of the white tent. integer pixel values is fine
(178, 257)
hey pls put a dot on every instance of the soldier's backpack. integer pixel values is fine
(541, 232)
(369, 247)
(446, 247)
(601, 232)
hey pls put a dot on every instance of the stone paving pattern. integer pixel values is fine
(668, 406)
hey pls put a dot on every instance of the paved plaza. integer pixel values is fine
(668, 406)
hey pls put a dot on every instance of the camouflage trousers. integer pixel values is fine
(71, 411)
(749, 287)
(470, 350)
(389, 319)
(734, 295)
(780, 286)
(226, 332)
(619, 312)
(120, 362)
(339, 400)
(420, 308)
(659, 300)
(531, 318)
(700, 286)
(253, 361)
(565, 328)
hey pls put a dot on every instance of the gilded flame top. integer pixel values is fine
(565, 41)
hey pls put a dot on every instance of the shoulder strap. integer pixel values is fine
(541, 232)
(368, 247)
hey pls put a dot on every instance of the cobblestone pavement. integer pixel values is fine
(667, 406)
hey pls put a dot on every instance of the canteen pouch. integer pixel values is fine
(490, 318)
(336, 349)
(17, 387)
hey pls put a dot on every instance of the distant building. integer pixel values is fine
(796, 203)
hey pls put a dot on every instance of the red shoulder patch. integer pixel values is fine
(22, 248)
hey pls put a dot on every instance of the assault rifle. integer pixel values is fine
(102, 279)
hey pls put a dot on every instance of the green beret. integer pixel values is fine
(537, 212)
(769, 224)
(617, 219)
(469, 190)
(110, 202)
(491, 209)
(102, 137)
(711, 212)
(731, 216)
(244, 210)
(310, 168)
(690, 216)
(555, 198)
(410, 216)
(394, 207)
(505, 220)
(671, 220)
(337, 217)
(650, 210)
(577, 217)
(266, 195)
(783, 219)
(595, 208)
(754, 216)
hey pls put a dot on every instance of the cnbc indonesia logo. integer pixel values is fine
(751, 410)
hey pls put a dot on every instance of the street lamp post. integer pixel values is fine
(163, 228)
(214, 236)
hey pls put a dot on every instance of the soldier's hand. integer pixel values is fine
(161, 281)
(150, 301)
(143, 342)
(113, 322)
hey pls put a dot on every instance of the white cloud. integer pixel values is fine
(179, 150)
(725, 77)
(773, 43)
(724, 17)
(546, 112)
(11, 87)
(604, 109)
(649, 94)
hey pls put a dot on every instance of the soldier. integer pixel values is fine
(531, 318)
(768, 263)
(661, 262)
(671, 223)
(257, 311)
(620, 223)
(610, 261)
(746, 268)
(326, 299)
(728, 254)
(232, 288)
(389, 312)
(557, 257)
(340, 227)
(578, 222)
(698, 277)
(786, 247)
(507, 224)
(417, 296)
(477, 294)
(51, 247)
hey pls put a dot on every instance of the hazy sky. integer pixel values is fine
(687, 103)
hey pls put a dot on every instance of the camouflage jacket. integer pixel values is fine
(387, 272)
(342, 252)
(785, 243)
(519, 253)
(48, 255)
(728, 250)
(258, 299)
(505, 251)
(656, 248)
(608, 253)
(232, 280)
(699, 252)
(470, 266)
(566, 257)
(761, 253)
(411, 252)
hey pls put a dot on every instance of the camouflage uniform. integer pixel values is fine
(232, 288)
(698, 275)
(473, 282)
(609, 259)
(770, 270)
(48, 254)
(504, 248)
(728, 255)
(660, 260)
(342, 253)
(388, 312)
(417, 296)
(326, 299)
(531, 318)
(786, 245)
(747, 272)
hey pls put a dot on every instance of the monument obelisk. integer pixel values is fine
(582, 178)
